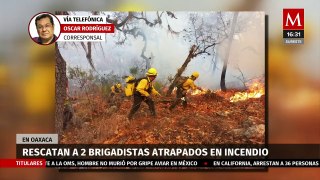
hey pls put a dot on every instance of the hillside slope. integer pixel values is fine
(209, 119)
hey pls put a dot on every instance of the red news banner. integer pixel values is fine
(87, 28)
(84, 28)
(22, 163)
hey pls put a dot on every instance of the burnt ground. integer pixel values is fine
(209, 119)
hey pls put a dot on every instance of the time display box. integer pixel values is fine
(293, 33)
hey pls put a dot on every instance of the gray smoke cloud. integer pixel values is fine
(168, 51)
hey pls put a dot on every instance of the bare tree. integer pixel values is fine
(61, 77)
(126, 24)
(203, 37)
(241, 78)
(61, 85)
(129, 24)
(226, 59)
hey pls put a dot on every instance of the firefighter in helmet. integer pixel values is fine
(115, 95)
(116, 89)
(143, 90)
(183, 89)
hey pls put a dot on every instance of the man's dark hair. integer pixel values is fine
(44, 16)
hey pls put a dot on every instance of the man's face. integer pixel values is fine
(152, 78)
(45, 29)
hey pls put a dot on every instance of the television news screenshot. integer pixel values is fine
(155, 90)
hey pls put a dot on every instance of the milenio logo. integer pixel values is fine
(293, 26)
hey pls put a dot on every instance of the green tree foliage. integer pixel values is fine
(80, 76)
(108, 80)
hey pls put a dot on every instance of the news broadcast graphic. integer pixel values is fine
(161, 77)
(37, 139)
(83, 28)
(293, 26)
(43, 151)
(44, 28)
(157, 157)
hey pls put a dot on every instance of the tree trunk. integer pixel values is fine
(61, 85)
(223, 77)
(181, 70)
(225, 63)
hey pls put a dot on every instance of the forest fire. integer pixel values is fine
(198, 92)
(256, 90)
(98, 110)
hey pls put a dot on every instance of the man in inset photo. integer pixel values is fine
(45, 28)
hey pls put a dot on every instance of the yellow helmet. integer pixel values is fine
(118, 85)
(129, 78)
(152, 72)
(195, 74)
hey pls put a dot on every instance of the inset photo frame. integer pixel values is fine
(44, 28)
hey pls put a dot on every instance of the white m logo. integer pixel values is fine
(293, 22)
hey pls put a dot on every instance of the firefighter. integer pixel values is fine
(116, 89)
(143, 90)
(115, 95)
(183, 89)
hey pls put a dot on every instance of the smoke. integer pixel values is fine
(168, 51)
(247, 52)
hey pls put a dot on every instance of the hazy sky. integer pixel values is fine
(169, 51)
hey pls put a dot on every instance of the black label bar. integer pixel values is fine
(293, 33)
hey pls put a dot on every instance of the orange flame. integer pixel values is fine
(198, 92)
(256, 90)
(174, 90)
